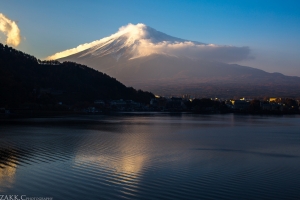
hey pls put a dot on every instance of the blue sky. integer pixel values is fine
(270, 28)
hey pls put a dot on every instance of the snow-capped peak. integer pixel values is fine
(134, 41)
(132, 37)
(143, 32)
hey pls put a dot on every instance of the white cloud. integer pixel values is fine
(11, 30)
(122, 30)
(200, 51)
(144, 40)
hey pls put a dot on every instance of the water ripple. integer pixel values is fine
(151, 157)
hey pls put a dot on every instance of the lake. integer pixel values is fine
(151, 156)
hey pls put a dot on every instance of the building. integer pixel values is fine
(99, 102)
(274, 99)
(175, 103)
(120, 102)
(4, 111)
(158, 103)
(240, 104)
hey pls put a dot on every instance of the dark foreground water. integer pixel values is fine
(152, 157)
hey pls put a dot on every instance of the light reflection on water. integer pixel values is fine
(152, 156)
(7, 176)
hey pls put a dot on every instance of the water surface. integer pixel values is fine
(152, 156)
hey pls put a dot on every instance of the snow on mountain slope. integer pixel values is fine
(139, 40)
(142, 57)
(130, 36)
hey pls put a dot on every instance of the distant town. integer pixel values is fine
(205, 105)
(274, 105)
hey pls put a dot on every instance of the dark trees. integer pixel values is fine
(25, 79)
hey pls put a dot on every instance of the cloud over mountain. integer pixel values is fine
(199, 51)
(10, 29)
(144, 58)
(144, 41)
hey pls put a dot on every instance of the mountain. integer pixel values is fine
(145, 58)
(27, 80)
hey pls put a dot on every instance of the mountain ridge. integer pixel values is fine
(140, 56)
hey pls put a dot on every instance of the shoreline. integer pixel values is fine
(54, 114)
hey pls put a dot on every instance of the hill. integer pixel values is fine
(27, 80)
(145, 58)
